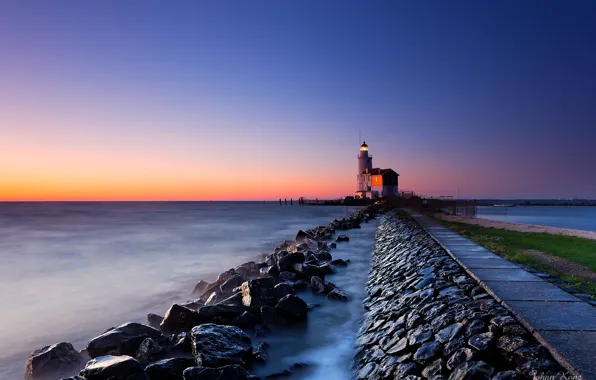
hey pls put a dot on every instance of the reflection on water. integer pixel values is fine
(71, 270)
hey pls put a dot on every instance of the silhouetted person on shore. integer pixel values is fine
(291, 201)
(280, 201)
(286, 201)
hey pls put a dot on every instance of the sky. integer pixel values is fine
(255, 100)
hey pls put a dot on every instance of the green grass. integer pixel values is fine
(511, 245)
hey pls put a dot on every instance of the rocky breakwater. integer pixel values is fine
(209, 337)
(426, 318)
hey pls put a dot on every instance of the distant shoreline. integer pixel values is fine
(542, 204)
(520, 227)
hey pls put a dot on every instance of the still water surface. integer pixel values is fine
(71, 270)
(575, 217)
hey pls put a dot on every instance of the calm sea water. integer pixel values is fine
(576, 217)
(71, 270)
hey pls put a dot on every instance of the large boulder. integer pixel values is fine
(169, 369)
(292, 307)
(286, 262)
(309, 270)
(282, 290)
(149, 351)
(209, 292)
(288, 276)
(270, 317)
(193, 305)
(180, 342)
(303, 236)
(249, 269)
(220, 313)
(225, 276)
(123, 340)
(228, 372)
(232, 282)
(53, 361)
(328, 269)
(217, 345)
(200, 288)
(114, 368)
(154, 320)
(179, 318)
(317, 285)
(339, 263)
(323, 255)
(246, 319)
(215, 297)
(259, 352)
(258, 292)
(234, 300)
(338, 294)
(270, 271)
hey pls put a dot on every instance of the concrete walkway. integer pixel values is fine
(565, 324)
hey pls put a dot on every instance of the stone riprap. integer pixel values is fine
(205, 338)
(426, 318)
(564, 323)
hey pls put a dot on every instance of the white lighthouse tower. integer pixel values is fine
(364, 159)
(372, 182)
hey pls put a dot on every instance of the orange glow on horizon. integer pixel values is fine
(154, 190)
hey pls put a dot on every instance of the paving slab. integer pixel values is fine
(565, 324)
(528, 291)
(496, 262)
(455, 248)
(475, 255)
(555, 315)
(510, 274)
(455, 243)
(578, 348)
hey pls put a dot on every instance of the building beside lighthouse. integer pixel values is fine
(372, 182)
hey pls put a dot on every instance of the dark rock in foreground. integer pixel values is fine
(217, 345)
(149, 351)
(292, 307)
(228, 372)
(114, 368)
(282, 290)
(154, 320)
(169, 369)
(200, 288)
(52, 361)
(258, 292)
(317, 284)
(339, 295)
(123, 340)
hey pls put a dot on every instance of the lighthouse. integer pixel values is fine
(374, 182)
(364, 159)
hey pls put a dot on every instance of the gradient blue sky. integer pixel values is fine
(264, 99)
